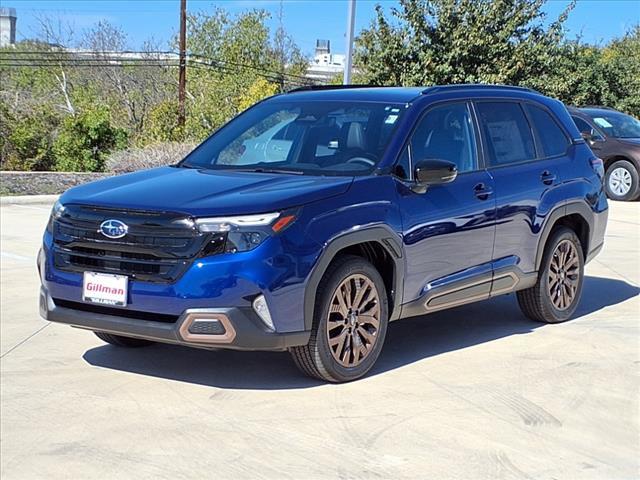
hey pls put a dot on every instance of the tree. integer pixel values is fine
(130, 90)
(234, 58)
(86, 139)
(31, 145)
(427, 42)
(621, 59)
(258, 90)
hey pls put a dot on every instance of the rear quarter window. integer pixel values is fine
(552, 138)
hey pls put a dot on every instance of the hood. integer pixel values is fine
(206, 192)
(630, 141)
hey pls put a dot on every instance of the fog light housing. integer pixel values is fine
(207, 326)
(262, 309)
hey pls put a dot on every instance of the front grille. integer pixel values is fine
(158, 247)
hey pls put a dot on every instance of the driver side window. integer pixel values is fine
(446, 133)
(584, 127)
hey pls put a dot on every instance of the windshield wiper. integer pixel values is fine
(269, 170)
(186, 165)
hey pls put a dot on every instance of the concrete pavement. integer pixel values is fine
(474, 392)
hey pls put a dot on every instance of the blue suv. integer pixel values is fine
(314, 218)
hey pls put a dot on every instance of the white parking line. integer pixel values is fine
(14, 256)
(29, 207)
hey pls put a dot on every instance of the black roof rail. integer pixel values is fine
(308, 88)
(472, 86)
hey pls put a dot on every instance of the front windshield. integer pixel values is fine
(313, 137)
(616, 124)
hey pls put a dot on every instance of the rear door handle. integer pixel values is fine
(547, 177)
(482, 191)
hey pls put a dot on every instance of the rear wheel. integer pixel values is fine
(349, 325)
(556, 294)
(621, 181)
(120, 341)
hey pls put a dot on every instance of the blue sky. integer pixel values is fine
(596, 21)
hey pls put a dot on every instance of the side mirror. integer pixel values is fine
(590, 138)
(587, 136)
(434, 172)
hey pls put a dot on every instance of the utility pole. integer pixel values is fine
(351, 20)
(182, 75)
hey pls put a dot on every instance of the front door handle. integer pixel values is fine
(482, 191)
(547, 177)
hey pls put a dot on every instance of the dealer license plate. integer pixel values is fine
(105, 288)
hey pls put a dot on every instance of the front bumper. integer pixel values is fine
(241, 328)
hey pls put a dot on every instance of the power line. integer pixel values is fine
(120, 56)
(75, 58)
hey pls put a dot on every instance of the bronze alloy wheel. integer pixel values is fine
(564, 275)
(350, 319)
(353, 320)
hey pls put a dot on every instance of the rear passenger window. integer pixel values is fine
(554, 141)
(507, 131)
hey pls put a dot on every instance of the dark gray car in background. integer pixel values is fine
(615, 138)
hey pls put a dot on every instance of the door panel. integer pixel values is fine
(524, 197)
(450, 228)
(447, 230)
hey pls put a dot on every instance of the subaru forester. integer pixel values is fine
(313, 219)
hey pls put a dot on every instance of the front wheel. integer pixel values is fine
(556, 294)
(621, 181)
(349, 325)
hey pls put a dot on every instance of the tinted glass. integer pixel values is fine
(403, 166)
(553, 140)
(446, 133)
(288, 132)
(319, 138)
(584, 127)
(616, 124)
(509, 138)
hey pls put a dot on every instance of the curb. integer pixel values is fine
(28, 199)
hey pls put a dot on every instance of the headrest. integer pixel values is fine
(353, 135)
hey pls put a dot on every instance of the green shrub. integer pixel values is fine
(85, 140)
(162, 124)
(28, 144)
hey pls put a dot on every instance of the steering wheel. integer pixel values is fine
(366, 158)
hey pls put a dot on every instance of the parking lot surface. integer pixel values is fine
(474, 392)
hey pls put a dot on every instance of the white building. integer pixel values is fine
(7, 26)
(325, 65)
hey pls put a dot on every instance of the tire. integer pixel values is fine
(344, 343)
(538, 302)
(621, 181)
(120, 341)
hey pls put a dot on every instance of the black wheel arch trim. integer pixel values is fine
(381, 234)
(613, 158)
(571, 208)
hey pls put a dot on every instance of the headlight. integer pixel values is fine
(244, 232)
(56, 212)
(226, 224)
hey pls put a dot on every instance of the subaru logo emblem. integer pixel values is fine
(113, 228)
